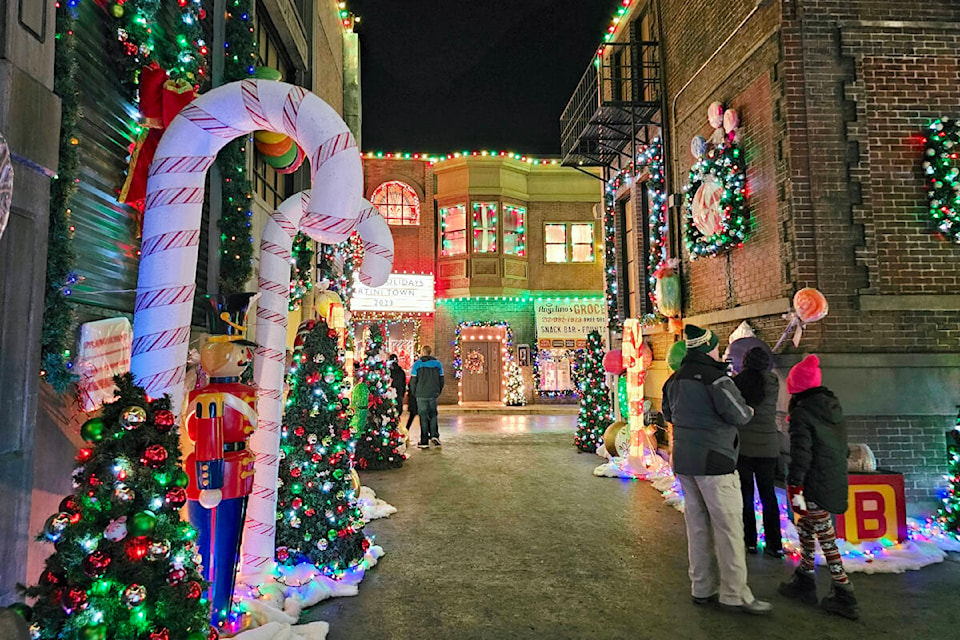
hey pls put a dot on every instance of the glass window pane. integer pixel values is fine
(397, 202)
(555, 253)
(485, 227)
(582, 233)
(453, 223)
(514, 233)
(555, 233)
(582, 253)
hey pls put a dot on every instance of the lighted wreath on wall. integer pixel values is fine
(940, 167)
(717, 216)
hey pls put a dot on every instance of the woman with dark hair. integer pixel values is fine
(760, 450)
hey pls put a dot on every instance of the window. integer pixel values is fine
(397, 202)
(568, 242)
(484, 227)
(453, 230)
(514, 232)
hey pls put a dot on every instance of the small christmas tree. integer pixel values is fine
(595, 411)
(949, 511)
(124, 565)
(318, 517)
(379, 439)
(513, 397)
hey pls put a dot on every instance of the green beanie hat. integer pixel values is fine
(700, 339)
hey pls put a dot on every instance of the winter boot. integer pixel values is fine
(841, 601)
(802, 586)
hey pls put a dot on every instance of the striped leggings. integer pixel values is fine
(818, 525)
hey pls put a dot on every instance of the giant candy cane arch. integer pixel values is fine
(270, 360)
(171, 229)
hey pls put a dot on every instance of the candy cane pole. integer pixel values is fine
(293, 214)
(171, 230)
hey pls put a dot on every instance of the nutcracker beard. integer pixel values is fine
(219, 532)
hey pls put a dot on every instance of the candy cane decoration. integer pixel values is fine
(270, 358)
(168, 264)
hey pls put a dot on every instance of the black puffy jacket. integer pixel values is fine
(759, 438)
(818, 448)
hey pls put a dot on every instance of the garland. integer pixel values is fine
(236, 241)
(939, 159)
(61, 258)
(300, 264)
(722, 168)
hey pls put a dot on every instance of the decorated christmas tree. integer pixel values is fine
(949, 512)
(124, 565)
(319, 520)
(378, 438)
(595, 411)
(513, 396)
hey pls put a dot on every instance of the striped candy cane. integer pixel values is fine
(270, 358)
(175, 185)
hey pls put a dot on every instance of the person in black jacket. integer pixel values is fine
(760, 450)
(398, 379)
(705, 408)
(817, 485)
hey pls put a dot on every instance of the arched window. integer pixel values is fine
(397, 202)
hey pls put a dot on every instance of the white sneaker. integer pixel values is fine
(435, 442)
(755, 608)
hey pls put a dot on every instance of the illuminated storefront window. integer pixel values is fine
(484, 227)
(514, 231)
(453, 229)
(397, 202)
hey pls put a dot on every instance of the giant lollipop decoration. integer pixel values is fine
(809, 305)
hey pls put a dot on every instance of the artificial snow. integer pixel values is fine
(926, 544)
(373, 507)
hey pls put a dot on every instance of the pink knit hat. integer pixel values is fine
(804, 375)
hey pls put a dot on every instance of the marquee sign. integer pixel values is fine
(564, 324)
(402, 293)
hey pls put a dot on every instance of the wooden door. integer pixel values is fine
(475, 366)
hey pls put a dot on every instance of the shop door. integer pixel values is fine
(476, 368)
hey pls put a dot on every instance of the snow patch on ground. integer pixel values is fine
(926, 543)
(373, 507)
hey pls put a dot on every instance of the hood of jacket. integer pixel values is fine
(821, 403)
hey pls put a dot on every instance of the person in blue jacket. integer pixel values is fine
(426, 383)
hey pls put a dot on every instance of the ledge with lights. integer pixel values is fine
(433, 158)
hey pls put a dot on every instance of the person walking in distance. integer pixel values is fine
(398, 380)
(706, 408)
(426, 383)
(817, 486)
(760, 451)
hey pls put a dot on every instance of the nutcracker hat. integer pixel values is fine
(227, 317)
(700, 339)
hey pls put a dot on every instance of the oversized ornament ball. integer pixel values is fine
(123, 493)
(697, 146)
(731, 120)
(715, 115)
(160, 634)
(116, 530)
(154, 456)
(613, 362)
(164, 419)
(92, 430)
(94, 632)
(136, 548)
(176, 576)
(616, 440)
(176, 498)
(54, 526)
(142, 523)
(95, 564)
(158, 550)
(74, 600)
(194, 590)
(70, 504)
(134, 595)
(133, 417)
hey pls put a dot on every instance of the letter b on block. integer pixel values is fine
(876, 509)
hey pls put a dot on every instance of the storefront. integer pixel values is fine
(562, 326)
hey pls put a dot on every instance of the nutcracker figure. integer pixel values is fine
(220, 418)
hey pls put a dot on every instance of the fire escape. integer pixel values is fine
(616, 108)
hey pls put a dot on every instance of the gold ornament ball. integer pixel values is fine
(133, 417)
(355, 481)
(616, 439)
(116, 10)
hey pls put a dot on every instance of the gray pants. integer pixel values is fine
(427, 410)
(713, 511)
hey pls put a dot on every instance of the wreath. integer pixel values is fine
(474, 362)
(939, 165)
(717, 216)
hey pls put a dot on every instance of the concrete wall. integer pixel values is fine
(30, 122)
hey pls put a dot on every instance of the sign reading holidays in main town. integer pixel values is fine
(402, 293)
(565, 323)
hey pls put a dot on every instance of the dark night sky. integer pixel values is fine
(447, 75)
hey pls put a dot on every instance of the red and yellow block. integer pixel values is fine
(877, 509)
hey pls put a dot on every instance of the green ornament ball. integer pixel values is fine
(181, 479)
(143, 523)
(197, 635)
(92, 430)
(331, 535)
(94, 632)
(338, 473)
(116, 10)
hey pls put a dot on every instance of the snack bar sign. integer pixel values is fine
(565, 324)
(402, 293)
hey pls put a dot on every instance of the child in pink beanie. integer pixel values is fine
(817, 485)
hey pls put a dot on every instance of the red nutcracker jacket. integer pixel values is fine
(220, 419)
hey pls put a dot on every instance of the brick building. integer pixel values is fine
(834, 98)
(507, 238)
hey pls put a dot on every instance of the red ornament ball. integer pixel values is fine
(163, 419)
(194, 590)
(176, 576)
(296, 503)
(160, 634)
(295, 472)
(136, 548)
(154, 456)
(299, 431)
(49, 578)
(283, 554)
(75, 599)
(365, 544)
(95, 564)
(309, 512)
(176, 498)
(70, 504)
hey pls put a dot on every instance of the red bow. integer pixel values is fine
(161, 99)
